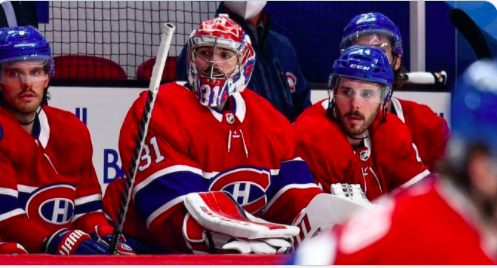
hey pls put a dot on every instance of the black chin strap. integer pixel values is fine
(34, 118)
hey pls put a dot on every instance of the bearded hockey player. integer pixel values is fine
(429, 131)
(216, 153)
(448, 220)
(49, 192)
(350, 138)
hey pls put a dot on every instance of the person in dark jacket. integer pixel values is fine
(277, 75)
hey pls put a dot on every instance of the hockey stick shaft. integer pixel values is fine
(166, 37)
(468, 28)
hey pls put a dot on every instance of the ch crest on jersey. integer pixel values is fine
(53, 204)
(247, 185)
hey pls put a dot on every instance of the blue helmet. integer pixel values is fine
(474, 110)
(369, 23)
(25, 43)
(364, 63)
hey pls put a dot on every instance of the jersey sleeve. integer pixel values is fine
(15, 226)
(292, 186)
(432, 141)
(399, 160)
(166, 172)
(88, 202)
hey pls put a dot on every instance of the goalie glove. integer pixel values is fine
(217, 224)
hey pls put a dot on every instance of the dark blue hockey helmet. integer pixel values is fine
(25, 43)
(473, 112)
(364, 63)
(368, 24)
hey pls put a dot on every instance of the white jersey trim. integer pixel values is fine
(11, 214)
(26, 189)
(87, 199)
(77, 216)
(241, 109)
(44, 129)
(162, 172)
(164, 208)
(8, 191)
(398, 109)
(286, 188)
(415, 179)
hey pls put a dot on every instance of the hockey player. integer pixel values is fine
(349, 138)
(207, 138)
(49, 192)
(429, 131)
(448, 220)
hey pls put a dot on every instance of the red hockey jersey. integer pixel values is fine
(248, 151)
(429, 131)
(385, 161)
(48, 180)
(429, 223)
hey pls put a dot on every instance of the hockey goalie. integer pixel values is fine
(219, 172)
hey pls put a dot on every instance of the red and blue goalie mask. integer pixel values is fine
(220, 60)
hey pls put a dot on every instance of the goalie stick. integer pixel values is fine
(468, 28)
(166, 37)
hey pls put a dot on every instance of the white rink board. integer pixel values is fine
(104, 109)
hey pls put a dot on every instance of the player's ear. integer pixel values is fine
(46, 83)
(398, 62)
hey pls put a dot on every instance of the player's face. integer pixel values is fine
(22, 85)
(358, 103)
(376, 40)
(213, 61)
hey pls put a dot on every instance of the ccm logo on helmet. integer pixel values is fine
(360, 67)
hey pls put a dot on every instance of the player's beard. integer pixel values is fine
(22, 107)
(355, 130)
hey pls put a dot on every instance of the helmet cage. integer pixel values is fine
(212, 84)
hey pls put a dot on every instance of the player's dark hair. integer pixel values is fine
(458, 171)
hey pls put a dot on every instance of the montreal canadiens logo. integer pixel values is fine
(52, 204)
(292, 81)
(247, 185)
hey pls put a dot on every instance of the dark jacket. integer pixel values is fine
(277, 75)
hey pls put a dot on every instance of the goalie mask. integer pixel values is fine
(220, 60)
(373, 29)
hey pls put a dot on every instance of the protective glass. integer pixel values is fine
(367, 95)
(215, 62)
(24, 72)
